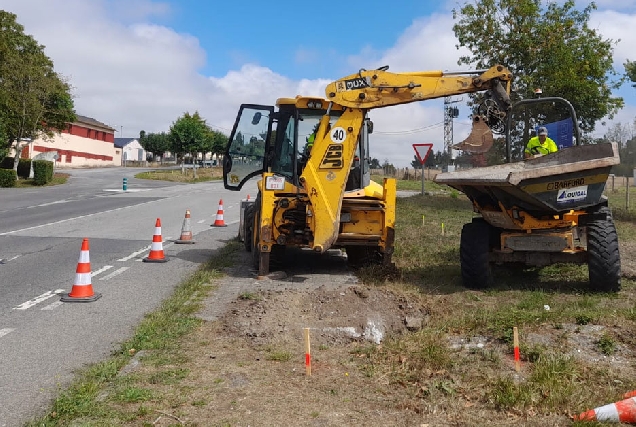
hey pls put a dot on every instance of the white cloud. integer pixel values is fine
(130, 72)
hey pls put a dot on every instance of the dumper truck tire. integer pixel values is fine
(473, 253)
(603, 257)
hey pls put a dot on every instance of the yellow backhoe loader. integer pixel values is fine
(312, 157)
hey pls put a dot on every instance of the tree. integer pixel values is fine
(155, 143)
(34, 100)
(187, 135)
(375, 164)
(546, 45)
(630, 71)
(415, 163)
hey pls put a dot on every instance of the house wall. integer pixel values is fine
(78, 146)
(131, 152)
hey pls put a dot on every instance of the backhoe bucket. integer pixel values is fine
(480, 139)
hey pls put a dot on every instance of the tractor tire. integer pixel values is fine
(474, 253)
(603, 257)
(363, 256)
(248, 227)
(256, 231)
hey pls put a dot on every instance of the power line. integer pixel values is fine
(411, 131)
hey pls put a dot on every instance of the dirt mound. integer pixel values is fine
(353, 313)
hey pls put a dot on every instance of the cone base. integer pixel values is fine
(218, 225)
(155, 260)
(69, 298)
(183, 242)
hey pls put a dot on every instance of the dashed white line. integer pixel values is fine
(77, 217)
(101, 270)
(115, 273)
(38, 299)
(134, 254)
(52, 306)
(5, 331)
(202, 221)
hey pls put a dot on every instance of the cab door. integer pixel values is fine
(245, 153)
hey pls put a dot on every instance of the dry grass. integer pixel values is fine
(578, 349)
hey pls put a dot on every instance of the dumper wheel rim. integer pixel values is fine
(474, 255)
(603, 257)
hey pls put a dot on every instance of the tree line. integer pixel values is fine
(189, 135)
(35, 100)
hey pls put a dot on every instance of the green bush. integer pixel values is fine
(8, 178)
(6, 163)
(42, 171)
(24, 166)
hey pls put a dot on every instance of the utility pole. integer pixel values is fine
(450, 113)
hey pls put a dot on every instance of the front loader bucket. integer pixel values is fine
(480, 139)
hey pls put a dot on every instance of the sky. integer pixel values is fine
(140, 64)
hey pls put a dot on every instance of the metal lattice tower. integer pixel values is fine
(450, 113)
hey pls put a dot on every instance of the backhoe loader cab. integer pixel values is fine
(315, 189)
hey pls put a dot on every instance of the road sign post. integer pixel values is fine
(422, 151)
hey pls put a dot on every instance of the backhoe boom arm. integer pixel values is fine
(380, 88)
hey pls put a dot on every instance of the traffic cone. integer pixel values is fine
(82, 288)
(156, 249)
(248, 197)
(629, 394)
(623, 411)
(218, 222)
(186, 230)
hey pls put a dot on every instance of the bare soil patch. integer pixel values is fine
(246, 363)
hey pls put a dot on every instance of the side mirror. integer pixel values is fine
(257, 118)
(369, 127)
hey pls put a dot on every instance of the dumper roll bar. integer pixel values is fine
(556, 99)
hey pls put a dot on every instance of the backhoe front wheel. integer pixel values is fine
(473, 253)
(603, 258)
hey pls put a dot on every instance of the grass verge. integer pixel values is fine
(175, 175)
(58, 179)
(96, 397)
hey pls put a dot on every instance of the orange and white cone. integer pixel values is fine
(623, 411)
(156, 249)
(186, 230)
(219, 222)
(82, 287)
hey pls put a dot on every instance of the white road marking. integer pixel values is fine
(5, 331)
(202, 221)
(77, 217)
(134, 254)
(101, 270)
(52, 306)
(48, 204)
(11, 259)
(115, 273)
(38, 299)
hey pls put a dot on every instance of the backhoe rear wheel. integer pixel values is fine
(603, 257)
(473, 253)
(248, 227)
(363, 256)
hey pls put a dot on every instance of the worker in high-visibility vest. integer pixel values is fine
(540, 145)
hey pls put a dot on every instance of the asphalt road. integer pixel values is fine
(43, 340)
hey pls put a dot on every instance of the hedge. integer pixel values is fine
(24, 166)
(42, 171)
(8, 178)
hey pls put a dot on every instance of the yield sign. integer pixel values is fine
(422, 151)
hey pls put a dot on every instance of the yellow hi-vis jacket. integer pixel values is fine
(535, 147)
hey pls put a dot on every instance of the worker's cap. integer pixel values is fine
(542, 131)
